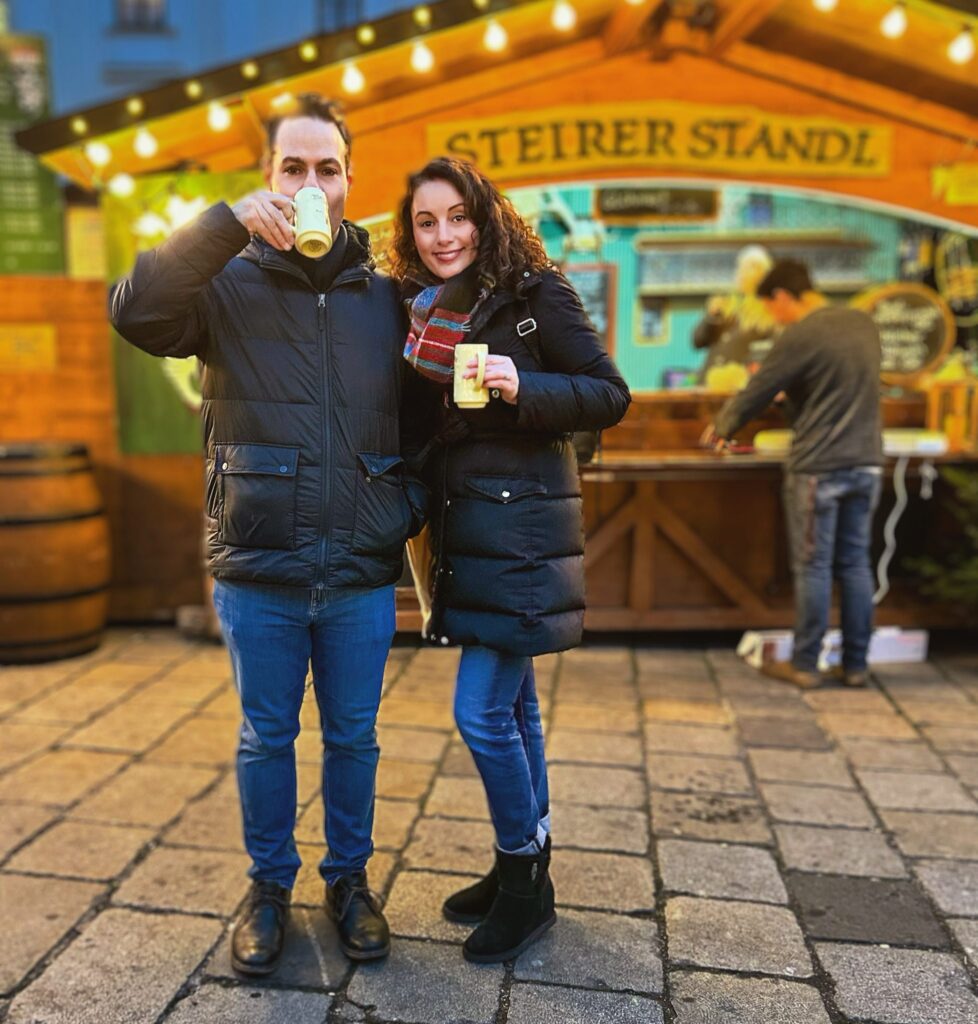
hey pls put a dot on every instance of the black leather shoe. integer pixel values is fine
(256, 943)
(362, 928)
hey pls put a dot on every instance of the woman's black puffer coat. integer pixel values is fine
(507, 524)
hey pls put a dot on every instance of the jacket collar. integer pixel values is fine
(504, 297)
(358, 264)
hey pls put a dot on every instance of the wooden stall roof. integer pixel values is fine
(841, 54)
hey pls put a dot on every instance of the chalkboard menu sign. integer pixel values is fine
(31, 237)
(595, 283)
(657, 204)
(916, 328)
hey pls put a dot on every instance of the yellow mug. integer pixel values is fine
(313, 236)
(470, 393)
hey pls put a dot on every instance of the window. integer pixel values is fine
(140, 15)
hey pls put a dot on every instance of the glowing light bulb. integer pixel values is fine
(98, 153)
(79, 125)
(962, 47)
(422, 59)
(249, 69)
(122, 185)
(145, 144)
(366, 35)
(309, 51)
(218, 117)
(564, 17)
(194, 89)
(352, 80)
(135, 106)
(422, 16)
(825, 5)
(495, 38)
(894, 22)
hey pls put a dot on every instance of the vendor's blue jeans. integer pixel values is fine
(830, 519)
(272, 634)
(498, 715)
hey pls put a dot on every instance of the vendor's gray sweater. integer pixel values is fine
(828, 364)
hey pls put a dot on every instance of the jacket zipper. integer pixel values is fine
(326, 487)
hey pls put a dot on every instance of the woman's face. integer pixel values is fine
(445, 237)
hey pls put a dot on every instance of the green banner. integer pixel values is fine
(158, 399)
(31, 233)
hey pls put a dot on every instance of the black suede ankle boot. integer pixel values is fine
(256, 943)
(470, 905)
(521, 912)
(360, 921)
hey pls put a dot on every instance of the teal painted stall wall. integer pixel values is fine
(781, 212)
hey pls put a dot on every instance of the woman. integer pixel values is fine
(506, 525)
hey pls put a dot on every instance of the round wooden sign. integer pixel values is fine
(916, 326)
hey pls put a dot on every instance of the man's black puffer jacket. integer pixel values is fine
(305, 483)
(507, 523)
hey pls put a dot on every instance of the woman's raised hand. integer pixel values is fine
(501, 376)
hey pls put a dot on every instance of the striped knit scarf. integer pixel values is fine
(441, 316)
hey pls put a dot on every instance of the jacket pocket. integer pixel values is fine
(383, 515)
(504, 489)
(258, 491)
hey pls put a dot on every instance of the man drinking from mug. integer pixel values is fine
(308, 502)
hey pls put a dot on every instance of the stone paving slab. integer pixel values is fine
(899, 986)
(722, 871)
(78, 849)
(20, 822)
(883, 754)
(709, 816)
(597, 828)
(736, 937)
(952, 885)
(809, 768)
(838, 851)
(603, 881)
(59, 777)
(815, 805)
(677, 738)
(966, 932)
(689, 773)
(865, 910)
(215, 1004)
(451, 846)
(915, 792)
(602, 787)
(193, 881)
(428, 983)
(594, 748)
(933, 835)
(701, 998)
(535, 1004)
(610, 952)
(124, 967)
(37, 913)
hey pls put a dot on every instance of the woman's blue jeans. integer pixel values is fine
(272, 634)
(498, 715)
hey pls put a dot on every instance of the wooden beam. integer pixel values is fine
(610, 531)
(623, 30)
(739, 22)
(853, 92)
(641, 583)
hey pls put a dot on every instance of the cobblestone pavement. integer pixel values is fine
(726, 849)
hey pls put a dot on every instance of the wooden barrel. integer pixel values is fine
(54, 553)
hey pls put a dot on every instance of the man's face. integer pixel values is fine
(311, 153)
(783, 308)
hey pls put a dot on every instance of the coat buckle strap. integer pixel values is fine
(525, 327)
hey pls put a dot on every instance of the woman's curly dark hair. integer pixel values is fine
(507, 245)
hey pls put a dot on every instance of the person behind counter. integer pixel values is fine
(507, 525)
(737, 329)
(827, 362)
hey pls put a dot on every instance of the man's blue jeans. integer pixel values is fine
(272, 634)
(830, 519)
(498, 715)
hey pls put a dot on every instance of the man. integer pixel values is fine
(827, 362)
(307, 503)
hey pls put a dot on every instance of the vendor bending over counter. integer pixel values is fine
(827, 362)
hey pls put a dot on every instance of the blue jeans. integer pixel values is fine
(830, 519)
(272, 633)
(498, 715)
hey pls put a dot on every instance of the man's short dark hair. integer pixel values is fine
(790, 276)
(309, 104)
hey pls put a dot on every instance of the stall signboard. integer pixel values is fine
(681, 136)
(657, 205)
(916, 328)
(31, 238)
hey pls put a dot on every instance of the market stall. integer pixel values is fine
(650, 144)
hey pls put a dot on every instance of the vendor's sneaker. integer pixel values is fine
(785, 672)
